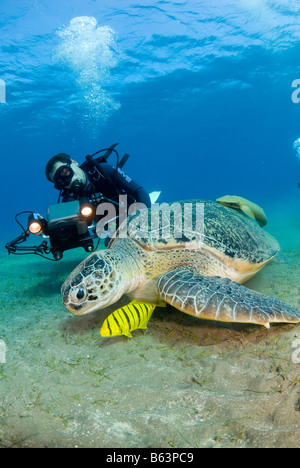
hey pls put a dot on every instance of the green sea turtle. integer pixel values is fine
(248, 207)
(198, 271)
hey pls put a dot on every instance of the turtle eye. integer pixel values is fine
(81, 293)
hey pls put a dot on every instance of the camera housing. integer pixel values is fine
(68, 225)
(67, 228)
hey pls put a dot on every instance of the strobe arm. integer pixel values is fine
(15, 248)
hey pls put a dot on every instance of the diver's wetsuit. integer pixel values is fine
(111, 183)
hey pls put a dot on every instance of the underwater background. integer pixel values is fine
(202, 95)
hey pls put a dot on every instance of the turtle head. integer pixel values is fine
(95, 284)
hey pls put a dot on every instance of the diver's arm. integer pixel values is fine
(142, 196)
(132, 188)
(125, 183)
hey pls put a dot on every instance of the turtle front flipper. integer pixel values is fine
(215, 298)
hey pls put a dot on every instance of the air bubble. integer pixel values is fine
(89, 51)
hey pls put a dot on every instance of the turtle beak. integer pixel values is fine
(95, 284)
(80, 298)
(73, 298)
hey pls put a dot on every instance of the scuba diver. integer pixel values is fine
(94, 176)
(95, 180)
(75, 221)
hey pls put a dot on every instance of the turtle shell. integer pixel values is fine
(197, 224)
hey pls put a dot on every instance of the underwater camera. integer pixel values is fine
(68, 225)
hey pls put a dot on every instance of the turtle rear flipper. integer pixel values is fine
(221, 299)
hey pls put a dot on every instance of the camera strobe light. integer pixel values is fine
(87, 211)
(85, 208)
(35, 224)
(35, 228)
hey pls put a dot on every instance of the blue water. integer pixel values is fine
(198, 92)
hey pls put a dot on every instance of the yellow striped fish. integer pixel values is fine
(127, 319)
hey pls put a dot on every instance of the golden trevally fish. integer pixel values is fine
(128, 318)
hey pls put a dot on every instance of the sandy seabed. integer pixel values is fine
(185, 383)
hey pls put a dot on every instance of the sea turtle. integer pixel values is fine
(197, 268)
(248, 207)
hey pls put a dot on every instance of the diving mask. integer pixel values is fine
(71, 177)
(63, 177)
